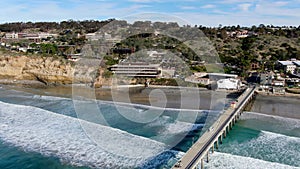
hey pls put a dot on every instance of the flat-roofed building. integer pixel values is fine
(288, 66)
(137, 69)
(197, 80)
(218, 76)
(229, 84)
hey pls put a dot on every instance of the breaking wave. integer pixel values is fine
(268, 146)
(52, 134)
(276, 124)
(229, 161)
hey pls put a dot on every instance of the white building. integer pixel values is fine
(288, 66)
(155, 54)
(11, 35)
(278, 83)
(229, 84)
(45, 35)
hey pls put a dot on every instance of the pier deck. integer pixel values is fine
(200, 150)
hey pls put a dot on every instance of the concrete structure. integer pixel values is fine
(200, 74)
(278, 90)
(103, 36)
(218, 76)
(211, 138)
(198, 80)
(168, 72)
(289, 66)
(143, 70)
(229, 84)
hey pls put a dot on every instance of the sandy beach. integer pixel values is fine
(172, 97)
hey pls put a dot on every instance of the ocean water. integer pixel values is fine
(260, 141)
(44, 132)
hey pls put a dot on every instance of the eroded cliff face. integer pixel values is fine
(48, 70)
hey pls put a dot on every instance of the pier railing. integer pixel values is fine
(196, 154)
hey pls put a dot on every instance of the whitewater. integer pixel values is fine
(229, 161)
(52, 134)
(50, 126)
(260, 141)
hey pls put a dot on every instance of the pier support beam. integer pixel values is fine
(213, 148)
(207, 157)
(221, 138)
(217, 144)
(202, 163)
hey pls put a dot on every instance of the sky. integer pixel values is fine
(193, 12)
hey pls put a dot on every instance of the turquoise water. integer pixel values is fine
(256, 141)
(267, 138)
(24, 153)
(12, 157)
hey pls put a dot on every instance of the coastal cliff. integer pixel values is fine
(48, 70)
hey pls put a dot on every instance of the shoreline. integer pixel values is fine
(278, 105)
(169, 97)
(286, 94)
(270, 104)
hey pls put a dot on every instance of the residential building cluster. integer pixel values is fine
(221, 81)
(241, 34)
(31, 37)
(286, 74)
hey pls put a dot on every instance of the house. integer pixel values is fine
(229, 84)
(74, 57)
(292, 81)
(11, 35)
(255, 65)
(155, 54)
(278, 83)
(23, 49)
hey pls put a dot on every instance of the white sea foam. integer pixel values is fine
(50, 98)
(269, 146)
(49, 133)
(283, 122)
(175, 127)
(137, 106)
(228, 161)
(254, 115)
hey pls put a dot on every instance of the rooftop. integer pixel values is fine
(285, 63)
(296, 63)
(223, 74)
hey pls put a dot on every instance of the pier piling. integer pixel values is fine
(206, 143)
